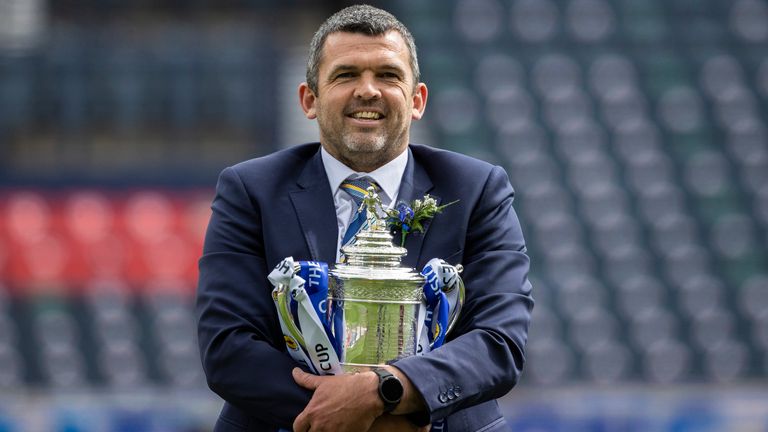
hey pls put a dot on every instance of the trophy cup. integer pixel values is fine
(374, 310)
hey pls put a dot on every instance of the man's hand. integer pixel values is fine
(395, 423)
(341, 403)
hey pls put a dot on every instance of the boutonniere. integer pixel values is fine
(411, 217)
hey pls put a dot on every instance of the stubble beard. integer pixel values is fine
(364, 151)
(365, 143)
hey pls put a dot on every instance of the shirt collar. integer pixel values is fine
(387, 176)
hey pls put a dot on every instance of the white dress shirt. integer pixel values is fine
(388, 178)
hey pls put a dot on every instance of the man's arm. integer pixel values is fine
(237, 322)
(484, 357)
(237, 325)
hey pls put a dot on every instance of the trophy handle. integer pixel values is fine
(459, 301)
(285, 315)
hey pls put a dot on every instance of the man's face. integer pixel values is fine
(366, 98)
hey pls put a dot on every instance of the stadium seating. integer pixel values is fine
(635, 135)
(98, 287)
(634, 132)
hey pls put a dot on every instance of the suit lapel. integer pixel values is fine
(313, 202)
(414, 185)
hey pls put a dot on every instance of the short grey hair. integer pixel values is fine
(362, 19)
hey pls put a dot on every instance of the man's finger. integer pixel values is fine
(308, 381)
(301, 424)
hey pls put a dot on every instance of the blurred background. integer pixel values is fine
(633, 130)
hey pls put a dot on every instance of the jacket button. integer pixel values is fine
(443, 398)
(451, 395)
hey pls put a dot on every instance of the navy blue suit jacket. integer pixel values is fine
(281, 205)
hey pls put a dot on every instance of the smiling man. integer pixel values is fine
(364, 99)
(363, 88)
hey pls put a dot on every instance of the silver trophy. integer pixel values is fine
(376, 303)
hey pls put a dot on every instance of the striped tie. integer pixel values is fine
(357, 189)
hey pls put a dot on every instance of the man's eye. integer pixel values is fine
(390, 75)
(344, 75)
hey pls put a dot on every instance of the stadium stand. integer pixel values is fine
(634, 131)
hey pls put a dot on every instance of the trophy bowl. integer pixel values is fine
(375, 300)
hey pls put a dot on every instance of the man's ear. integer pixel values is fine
(419, 101)
(307, 101)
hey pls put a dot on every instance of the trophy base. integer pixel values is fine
(356, 367)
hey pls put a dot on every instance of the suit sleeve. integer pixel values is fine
(484, 359)
(237, 322)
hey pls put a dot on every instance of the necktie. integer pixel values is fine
(357, 189)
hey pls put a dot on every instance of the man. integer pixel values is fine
(363, 89)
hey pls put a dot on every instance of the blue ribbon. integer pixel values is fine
(315, 275)
(436, 320)
(437, 307)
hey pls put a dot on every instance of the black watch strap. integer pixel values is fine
(390, 389)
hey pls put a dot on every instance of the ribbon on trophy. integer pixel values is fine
(442, 303)
(310, 341)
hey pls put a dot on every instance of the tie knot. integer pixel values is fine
(358, 188)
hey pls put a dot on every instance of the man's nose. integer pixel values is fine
(367, 87)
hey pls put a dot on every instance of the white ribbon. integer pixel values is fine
(282, 278)
(319, 347)
(311, 345)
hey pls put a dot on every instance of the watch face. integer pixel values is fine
(392, 389)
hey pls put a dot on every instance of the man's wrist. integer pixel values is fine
(411, 401)
(372, 382)
(390, 389)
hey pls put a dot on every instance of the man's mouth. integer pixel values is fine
(367, 115)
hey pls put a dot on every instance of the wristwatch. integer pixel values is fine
(390, 389)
